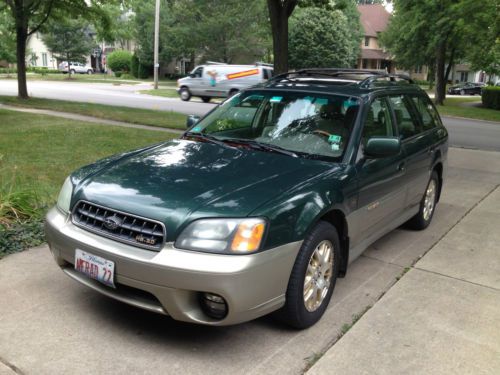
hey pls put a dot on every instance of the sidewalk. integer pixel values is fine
(442, 317)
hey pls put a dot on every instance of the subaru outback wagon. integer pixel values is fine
(261, 205)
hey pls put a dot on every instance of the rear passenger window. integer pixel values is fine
(427, 113)
(407, 124)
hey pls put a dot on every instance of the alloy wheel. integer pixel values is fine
(318, 275)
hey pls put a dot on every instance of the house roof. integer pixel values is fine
(376, 54)
(374, 18)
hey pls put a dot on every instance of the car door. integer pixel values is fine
(197, 85)
(416, 145)
(381, 190)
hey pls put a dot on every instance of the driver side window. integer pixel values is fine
(378, 121)
(198, 72)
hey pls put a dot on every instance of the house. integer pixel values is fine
(37, 53)
(374, 19)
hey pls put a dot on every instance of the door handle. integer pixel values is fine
(431, 150)
(402, 167)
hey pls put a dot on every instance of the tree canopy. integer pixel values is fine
(435, 33)
(321, 37)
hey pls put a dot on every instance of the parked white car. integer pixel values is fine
(76, 67)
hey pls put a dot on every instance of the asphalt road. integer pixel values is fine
(481, 135)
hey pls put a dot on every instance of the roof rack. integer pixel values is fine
(260, 63)
(215, 63)
(373, 75)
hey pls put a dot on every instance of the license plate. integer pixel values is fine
(95, 267)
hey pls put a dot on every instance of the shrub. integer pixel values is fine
(21, 236)
(119, 61)
(144, 71)
(118, 74)
(134, 66)
(8, 70)
(491, 97)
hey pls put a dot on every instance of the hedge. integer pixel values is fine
(119, 61)
(491, 97)
(38, 70)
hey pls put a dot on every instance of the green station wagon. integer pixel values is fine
(261, 205)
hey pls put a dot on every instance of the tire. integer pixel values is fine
(233, 92)
(205, 99)
(185, 94)
(72, 72)
(90, 71)
(462, 92)
(427, 206)
(301, 311)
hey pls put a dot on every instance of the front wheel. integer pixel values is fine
(462, 92)
(90, 71)
(72, 72)
(205, 99)
(185, 94)
(313, 277)
(427, 206)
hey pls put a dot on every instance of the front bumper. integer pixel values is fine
(170, 281)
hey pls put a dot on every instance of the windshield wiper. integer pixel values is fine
(262, 146)
(207, 137)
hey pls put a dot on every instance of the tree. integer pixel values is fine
(7, 38)
(279, 13)
(323, 38)
(68, 40)
(30, 15)
(430, 33)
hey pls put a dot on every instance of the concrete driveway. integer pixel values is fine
(50, 324)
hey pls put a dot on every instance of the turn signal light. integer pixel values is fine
(248, 237)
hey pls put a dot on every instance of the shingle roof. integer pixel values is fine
(376, 54)
(374, 18)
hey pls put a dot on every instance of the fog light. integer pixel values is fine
(213, 305)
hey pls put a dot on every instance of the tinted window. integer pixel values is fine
(427, 113)
(407, 124)
(378, 120)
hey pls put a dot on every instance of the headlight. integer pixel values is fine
(233, 236)
(64, 199)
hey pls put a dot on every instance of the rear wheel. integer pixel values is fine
(89, 71)
(427, 206)
(462, 92)
(313, 277)
(205, 99)
(72, 71)
(185, 94)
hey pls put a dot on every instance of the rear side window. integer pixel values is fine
(268, 73)
(427, 112)
(408, 125)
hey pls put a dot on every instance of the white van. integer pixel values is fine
(216, 80)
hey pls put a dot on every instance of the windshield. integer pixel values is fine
(304, 124)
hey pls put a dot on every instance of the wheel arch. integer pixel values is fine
(438, 167)
(337, 218)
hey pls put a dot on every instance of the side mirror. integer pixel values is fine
(381, 147)
(192, 120)
(192, 76)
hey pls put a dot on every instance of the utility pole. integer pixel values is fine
(157, 40)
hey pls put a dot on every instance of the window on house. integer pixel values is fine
(365, 64)
(464, 76)
(418, 69)
(44, 59)
(367, 41)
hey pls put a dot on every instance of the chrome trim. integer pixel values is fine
(116, 238)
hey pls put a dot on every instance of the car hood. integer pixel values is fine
(181, 180)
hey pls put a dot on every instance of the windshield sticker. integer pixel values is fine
(321, 101)
(333, 138)
(350, 102)
(276, 99)
(196, 129)
(335, 147)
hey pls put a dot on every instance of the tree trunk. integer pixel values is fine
(440, 92)
(450, 64)
(279, 11)
(21, 37)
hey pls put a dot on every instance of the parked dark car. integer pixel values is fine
(467, 88)
(261, 205)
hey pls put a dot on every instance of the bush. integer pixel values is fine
(119, 61)
(8, 70)
(118, 74)
(127, 76)
(134, 66)
(491, 97)
(21, 236)
(144, 71)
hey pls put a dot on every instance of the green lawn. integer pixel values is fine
(164, 119)
(458, 107)
(166, 93)
(40, 151)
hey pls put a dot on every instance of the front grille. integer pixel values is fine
(119, 226)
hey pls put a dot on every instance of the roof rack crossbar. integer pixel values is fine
(330, 72)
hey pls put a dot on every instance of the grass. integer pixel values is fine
(164, 119)
(166, 93)
(38, 152)
(468, 108)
